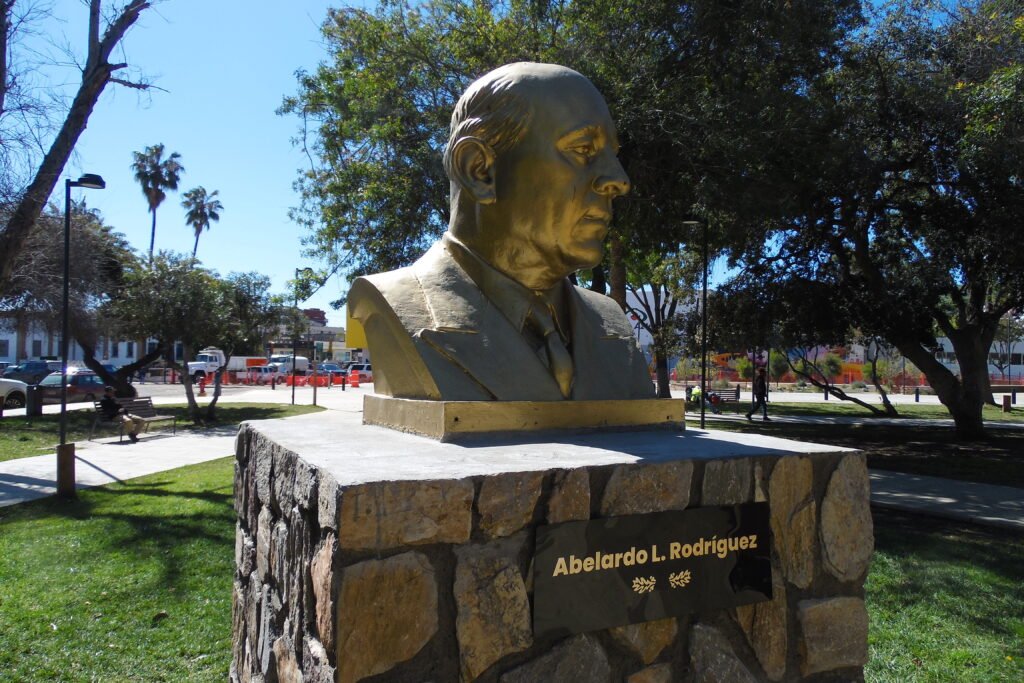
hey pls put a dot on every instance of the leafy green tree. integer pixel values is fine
(254, 315)
(904, 207)
(155, 174)
(788, 314)
(32, 112)
(687, 367)
(36, 290)
(778, 364)
(1008, 343)
(745, 368)
(200, 209)
(173, 300)
(702, 96)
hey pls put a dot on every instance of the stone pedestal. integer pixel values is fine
(368, 554)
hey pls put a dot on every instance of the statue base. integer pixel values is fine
(450, 421)
(364, 553)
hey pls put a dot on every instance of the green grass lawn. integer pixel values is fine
(946, 602)
(22, 437)
(132, 582)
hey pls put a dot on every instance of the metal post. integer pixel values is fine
(65, 451)
(295, 342)
(64, 316)
(704, 333)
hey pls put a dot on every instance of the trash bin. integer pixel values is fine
(33, 401)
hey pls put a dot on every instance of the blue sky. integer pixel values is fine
(225, 66)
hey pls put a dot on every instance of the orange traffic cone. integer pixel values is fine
(353, 379)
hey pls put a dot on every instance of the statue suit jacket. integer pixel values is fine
(434, 335)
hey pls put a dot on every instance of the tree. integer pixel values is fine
(255, 315)
(790, 314)
(1008, 342)
(200, 209)
(745, 368)
(35, 292)
(778, 365)
(695, 91)
(906, 204)
(173, 300)
(156, 174)
(658, 289)
(27, 116)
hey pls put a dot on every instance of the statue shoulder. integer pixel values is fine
(395, 294)
(608, 310)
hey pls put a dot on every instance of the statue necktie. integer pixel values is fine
(559, 359)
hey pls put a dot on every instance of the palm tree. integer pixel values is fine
(156, 174)
(201, 208)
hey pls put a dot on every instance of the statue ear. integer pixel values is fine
(473, 168)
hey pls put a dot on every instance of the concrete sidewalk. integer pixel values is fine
(106, 461)
(985, 504)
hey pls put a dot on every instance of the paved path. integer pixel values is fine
(106, 461)
(998, 506)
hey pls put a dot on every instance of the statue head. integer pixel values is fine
(532, 162)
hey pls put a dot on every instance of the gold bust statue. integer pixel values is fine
(488, 312)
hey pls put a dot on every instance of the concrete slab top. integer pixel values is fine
(354, 453)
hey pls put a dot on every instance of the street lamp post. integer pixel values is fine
(703, 317)
(704, 330)
(295, 342)
(66, 451)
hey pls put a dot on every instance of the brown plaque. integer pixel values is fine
(601, 573)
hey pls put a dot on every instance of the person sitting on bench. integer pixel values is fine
(112, 410)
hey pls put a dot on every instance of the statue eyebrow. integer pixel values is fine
(591, 131)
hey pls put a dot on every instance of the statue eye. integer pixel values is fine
(585, 149)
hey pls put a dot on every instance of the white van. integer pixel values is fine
(284, 362)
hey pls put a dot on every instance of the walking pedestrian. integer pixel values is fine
(760, 396)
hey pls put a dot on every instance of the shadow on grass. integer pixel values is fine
(156, 520)
(944, 565)
(931, 451)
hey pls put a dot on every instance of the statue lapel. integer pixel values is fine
(472, 333)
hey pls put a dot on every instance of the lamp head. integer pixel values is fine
(91, 181)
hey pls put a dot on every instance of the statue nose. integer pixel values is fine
(612, 180)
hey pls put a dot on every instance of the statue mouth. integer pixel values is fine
(592, 216)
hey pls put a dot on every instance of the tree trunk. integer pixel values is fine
(822, 383)
(661, 372)
(598, 283)
(890, 409)
(152, 236)
(963, 398)
(195, 247)
(96, 75)
(186, 356)
(211, 410)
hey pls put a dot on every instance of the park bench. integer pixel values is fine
(721, 396)
(728, 395)
(140, 407)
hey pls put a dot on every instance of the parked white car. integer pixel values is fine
(365, 371)
(263, 374)
(13, 393)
